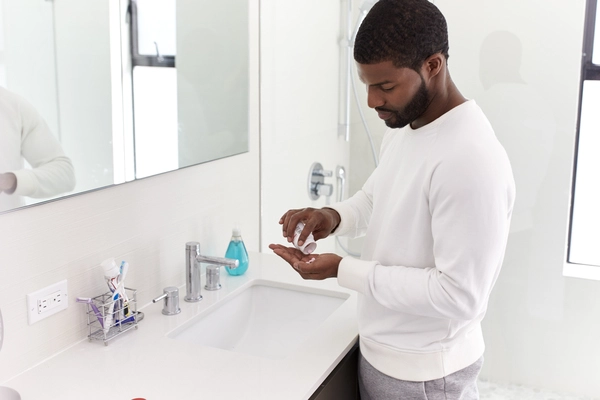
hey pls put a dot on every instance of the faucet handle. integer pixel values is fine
(171, 296)
(213, 277)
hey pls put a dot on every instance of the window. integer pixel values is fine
(584, 232)
(154, 80)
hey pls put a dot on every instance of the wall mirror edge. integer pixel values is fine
(223, 135)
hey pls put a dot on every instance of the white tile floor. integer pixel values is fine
(493, 391)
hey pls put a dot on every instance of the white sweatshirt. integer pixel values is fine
(24, 135)
(436, 215)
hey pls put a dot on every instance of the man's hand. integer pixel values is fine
(309, 266)
(319, 222)
(8, 183)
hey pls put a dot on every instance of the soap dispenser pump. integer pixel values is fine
(237, 250)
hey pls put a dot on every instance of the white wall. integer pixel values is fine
(520, 60)
(300, 107)
(146, 222)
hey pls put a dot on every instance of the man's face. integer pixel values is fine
(399, 95)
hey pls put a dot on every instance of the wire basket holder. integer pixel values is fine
(120, 316)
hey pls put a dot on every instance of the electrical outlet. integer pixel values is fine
(50, 302)
(47, 301)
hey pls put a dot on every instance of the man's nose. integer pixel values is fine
(374, 99)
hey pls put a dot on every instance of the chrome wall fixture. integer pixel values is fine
(316, 182)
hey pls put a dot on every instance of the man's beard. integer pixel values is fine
(412, 111)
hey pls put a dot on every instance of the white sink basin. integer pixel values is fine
(7, 393)
(267, 319)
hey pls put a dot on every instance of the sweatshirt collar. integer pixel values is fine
(433, 125)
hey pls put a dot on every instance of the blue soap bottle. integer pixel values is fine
(237, 250)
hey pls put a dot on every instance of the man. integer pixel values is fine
(25, 136)
(435, 214)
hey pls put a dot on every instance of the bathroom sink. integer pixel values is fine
(7, 393)
(267, 319)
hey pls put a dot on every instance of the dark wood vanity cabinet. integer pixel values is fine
(342, 383)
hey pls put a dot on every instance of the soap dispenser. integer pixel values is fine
(237, 250)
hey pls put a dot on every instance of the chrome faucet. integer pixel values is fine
(193, 258)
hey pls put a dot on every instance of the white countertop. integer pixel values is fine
(145, 363)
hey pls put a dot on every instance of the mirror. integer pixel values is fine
(101, 92)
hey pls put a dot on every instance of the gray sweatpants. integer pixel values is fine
(461, 385)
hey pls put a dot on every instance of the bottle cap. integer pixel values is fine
(310, 246)
(111, 270)
(237, 231)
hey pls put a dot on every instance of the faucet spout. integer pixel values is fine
(230, 262)
(193, 281)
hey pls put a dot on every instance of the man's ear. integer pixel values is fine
(433, 65)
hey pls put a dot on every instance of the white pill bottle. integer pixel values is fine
(309, 245)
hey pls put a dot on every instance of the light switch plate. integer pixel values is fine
(47, 301)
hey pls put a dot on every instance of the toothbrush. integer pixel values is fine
(121, 280)
(89, 301)
(124, 268)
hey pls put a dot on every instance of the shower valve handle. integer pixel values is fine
(316, 182)
(323, 173)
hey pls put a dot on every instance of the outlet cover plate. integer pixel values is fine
(47, 301)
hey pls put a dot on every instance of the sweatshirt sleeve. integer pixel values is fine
(52, 171)
(470, 201)
(355, 212)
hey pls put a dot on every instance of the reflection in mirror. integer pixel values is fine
(154, 78)
(124, 88)
(25, 137)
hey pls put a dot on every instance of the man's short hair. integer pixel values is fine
(406, 32)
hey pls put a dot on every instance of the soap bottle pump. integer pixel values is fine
(237, 250)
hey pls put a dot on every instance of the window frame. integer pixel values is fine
(138, 59)
(589, 72)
